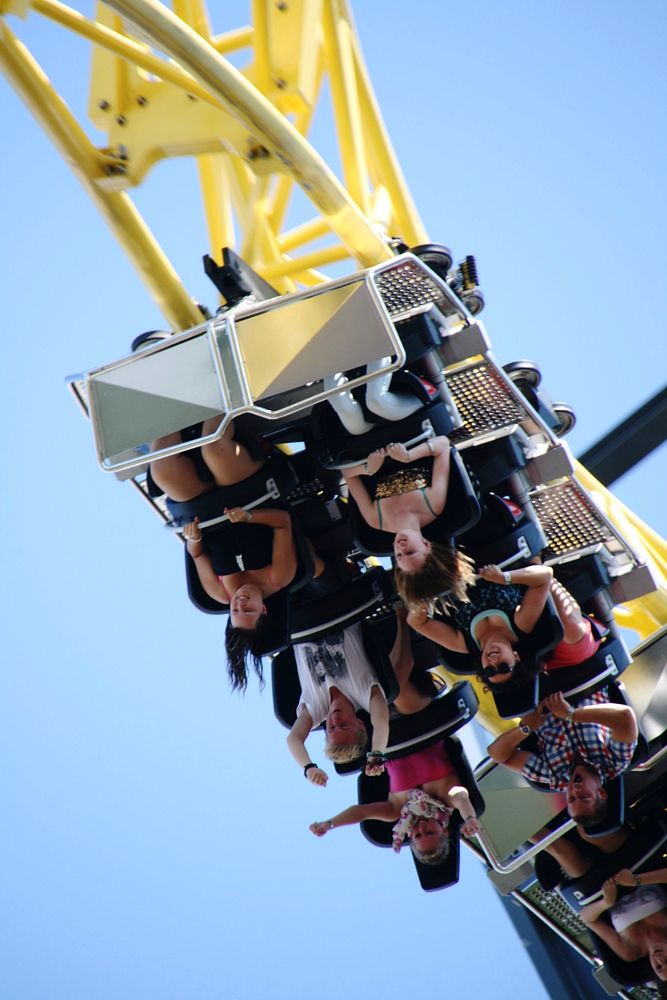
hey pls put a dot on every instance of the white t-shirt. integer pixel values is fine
(644, 901)
(338, 661)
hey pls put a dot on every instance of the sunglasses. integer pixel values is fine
(501, 668)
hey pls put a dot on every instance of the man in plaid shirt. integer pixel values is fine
(579, 749)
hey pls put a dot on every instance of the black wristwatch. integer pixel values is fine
(526, 730)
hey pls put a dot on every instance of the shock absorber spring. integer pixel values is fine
(468, 269)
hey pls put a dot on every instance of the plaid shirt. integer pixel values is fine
(560, 741)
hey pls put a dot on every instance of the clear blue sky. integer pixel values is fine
(154, 838)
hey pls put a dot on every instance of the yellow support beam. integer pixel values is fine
(256, 113)
(90, 167)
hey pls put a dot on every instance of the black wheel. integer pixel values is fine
(436, 256)
(149, 338)
(473, 301)
(567, 418)
(524, 371)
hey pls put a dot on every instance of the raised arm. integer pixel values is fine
(631, 880)
(207, 575)
(296, 741)
(458, 798)
(445, 635)
(437, 491)
(591, 916)
(504, 749)
(379, 713)
(386, 811)
(620, 719)
(360, 495)
(538, 581)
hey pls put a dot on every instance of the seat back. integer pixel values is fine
(442, 718)
(313, 619)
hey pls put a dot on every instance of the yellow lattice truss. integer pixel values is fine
(162, 86)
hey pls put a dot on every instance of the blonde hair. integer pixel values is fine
(444, 569)
(437, 855)
(347, 753)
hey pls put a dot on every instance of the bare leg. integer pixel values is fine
(176, 475)
(569, 613)
(349, 411)
(382, 402)
(228, 460)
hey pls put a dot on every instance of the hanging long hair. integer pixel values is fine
(446, 569)
(243, 645)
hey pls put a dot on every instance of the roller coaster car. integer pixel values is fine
(379, 833)
(269, 359)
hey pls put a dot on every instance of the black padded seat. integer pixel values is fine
(547, 633)
(495, 462)
(642, 851)
(335, 446)
(504, 535)
(576, 683)
(379, 833)
(311, 620)
(462, 511)
(625, 973)
(276, 476)
(285, 679)
(419, 335)
(327, 523)
(580, 682)
(446, 714)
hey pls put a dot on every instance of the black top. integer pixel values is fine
(237, 547)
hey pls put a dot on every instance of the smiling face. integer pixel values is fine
(496, 654)
(247, 607)
(411, 550)
(585, 794)
(342, 725)
(426, 835)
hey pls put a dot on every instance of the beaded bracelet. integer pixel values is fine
(377, 754)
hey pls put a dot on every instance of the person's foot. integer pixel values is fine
(349, 411)
(386, 404)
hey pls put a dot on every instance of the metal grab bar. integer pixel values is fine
(272, 494)
(425, 436)
(504, 868)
